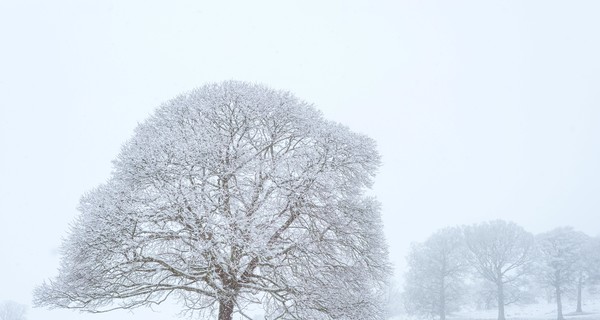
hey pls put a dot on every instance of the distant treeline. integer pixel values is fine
(497, 263)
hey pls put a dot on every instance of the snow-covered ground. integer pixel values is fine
(538, 311)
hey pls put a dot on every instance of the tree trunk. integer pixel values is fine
(579, 286)
(500, 300)
(558, 304)
(226, 310)
(442, 301)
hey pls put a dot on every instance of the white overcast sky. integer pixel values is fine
(481, 109)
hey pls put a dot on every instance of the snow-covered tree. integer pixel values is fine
(592, 263)
(587, 267)
(10, 310)
(521, 290)
(501, 253)
(229, 195)
(434, 283)
(393, 299)
(559, 255)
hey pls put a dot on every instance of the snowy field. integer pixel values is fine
(539, 311)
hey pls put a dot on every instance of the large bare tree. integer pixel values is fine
(229, 195)
(501, 253)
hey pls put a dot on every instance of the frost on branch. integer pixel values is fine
(232, 194)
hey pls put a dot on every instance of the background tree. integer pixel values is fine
(501, 253)
(393, 298)
(559, 253)
(521, 290)
(588, 267)
(10, 310)
(434, 283)
(592, 252)
(232, 194)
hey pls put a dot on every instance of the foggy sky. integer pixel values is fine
(481, 109)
